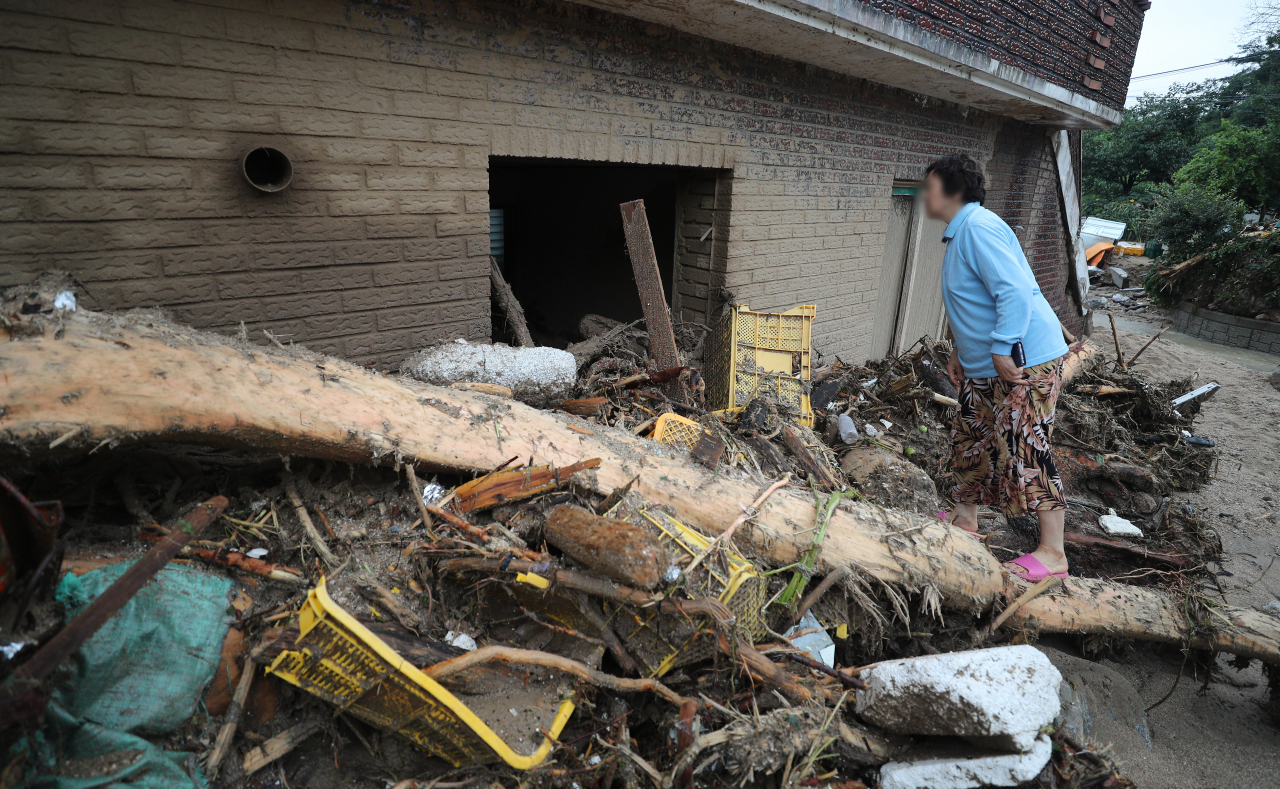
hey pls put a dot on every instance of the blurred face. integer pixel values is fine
(937, 203)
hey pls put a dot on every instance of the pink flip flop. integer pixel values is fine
(1035, 569)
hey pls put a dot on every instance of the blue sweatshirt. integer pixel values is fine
(991, 296)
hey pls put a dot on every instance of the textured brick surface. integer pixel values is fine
(124, 125)
(1048, 38)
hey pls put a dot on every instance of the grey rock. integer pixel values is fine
(1274, 378)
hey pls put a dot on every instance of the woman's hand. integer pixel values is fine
(1006, 369)
(954, 371)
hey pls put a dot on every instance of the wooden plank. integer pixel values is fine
(278, 746)
(653, 299)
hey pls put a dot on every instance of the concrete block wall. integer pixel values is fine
(1024, 191)
(124, 124)
(1224, 329)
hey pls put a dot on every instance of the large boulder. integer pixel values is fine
(542, 377)
(995, 698)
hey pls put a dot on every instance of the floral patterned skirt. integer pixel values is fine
(1000, 439)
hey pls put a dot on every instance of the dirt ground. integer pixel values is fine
(1216, 737)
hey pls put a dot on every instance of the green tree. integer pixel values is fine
(1155, 139)
(1239, 162)
(1248, 97)
(1190, 218)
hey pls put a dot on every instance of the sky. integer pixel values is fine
(1178, 33)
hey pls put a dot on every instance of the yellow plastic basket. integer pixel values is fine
(761, 354)
(675, 430)
(342, 662)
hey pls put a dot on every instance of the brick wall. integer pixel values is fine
(694, 276)
(125, 123)
(1024, 191)
(1053, 39)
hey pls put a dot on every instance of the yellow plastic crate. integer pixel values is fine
(342, 662)
(661, 643)
(675, 430)
(761, 354)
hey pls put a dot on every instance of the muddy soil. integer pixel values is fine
(1217, 736)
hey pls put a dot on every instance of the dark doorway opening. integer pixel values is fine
(556, 232)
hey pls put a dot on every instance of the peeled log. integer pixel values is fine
(119, 379)
(619, 549)
(1088, 605)
(116, 378)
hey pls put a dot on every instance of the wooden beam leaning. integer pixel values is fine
(644, 262)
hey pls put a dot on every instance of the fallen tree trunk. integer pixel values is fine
(132, 379)
(1092, 606)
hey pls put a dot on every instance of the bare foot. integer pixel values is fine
(967, 524)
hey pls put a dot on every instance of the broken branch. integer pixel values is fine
(727, 535)
(421, 502)
(531, 657)
(1148, 345)
(510, 305)
(223, 744)
(313, 534)
(278, 746)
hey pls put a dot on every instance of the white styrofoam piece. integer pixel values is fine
(959, 773)
(997, 697)
(460, 640)
(542, 376)
(1115, 525)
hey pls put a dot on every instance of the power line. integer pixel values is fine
(1248, 58)
(1177, 70)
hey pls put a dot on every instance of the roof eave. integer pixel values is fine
(850, 37)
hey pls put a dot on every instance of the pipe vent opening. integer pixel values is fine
(267, 169)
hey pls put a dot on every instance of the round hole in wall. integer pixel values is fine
(267, 169)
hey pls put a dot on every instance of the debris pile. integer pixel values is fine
(430, 584)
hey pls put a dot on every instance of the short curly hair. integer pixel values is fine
(960, 173)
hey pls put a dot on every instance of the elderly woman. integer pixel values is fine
(1006, 363)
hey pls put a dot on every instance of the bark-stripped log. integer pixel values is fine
(117, 378)
(1087, 605)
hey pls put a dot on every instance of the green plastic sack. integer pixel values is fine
(142, 673)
